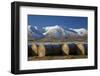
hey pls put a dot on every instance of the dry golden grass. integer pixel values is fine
(65, 48)
(34, 47)
(81, 47)
(41, 50)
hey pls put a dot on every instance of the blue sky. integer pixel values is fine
(64, 21)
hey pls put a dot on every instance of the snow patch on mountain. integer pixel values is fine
(80, 31)
(36, 27)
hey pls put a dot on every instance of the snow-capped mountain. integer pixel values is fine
(33, 32)
(59, 32)
(55, 31)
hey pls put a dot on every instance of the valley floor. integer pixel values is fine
(57, 57)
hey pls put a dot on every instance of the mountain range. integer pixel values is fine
(55, 31)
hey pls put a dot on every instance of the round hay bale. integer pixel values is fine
(41, 50)
(65, 48)
(34, 47)
(81, 47)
